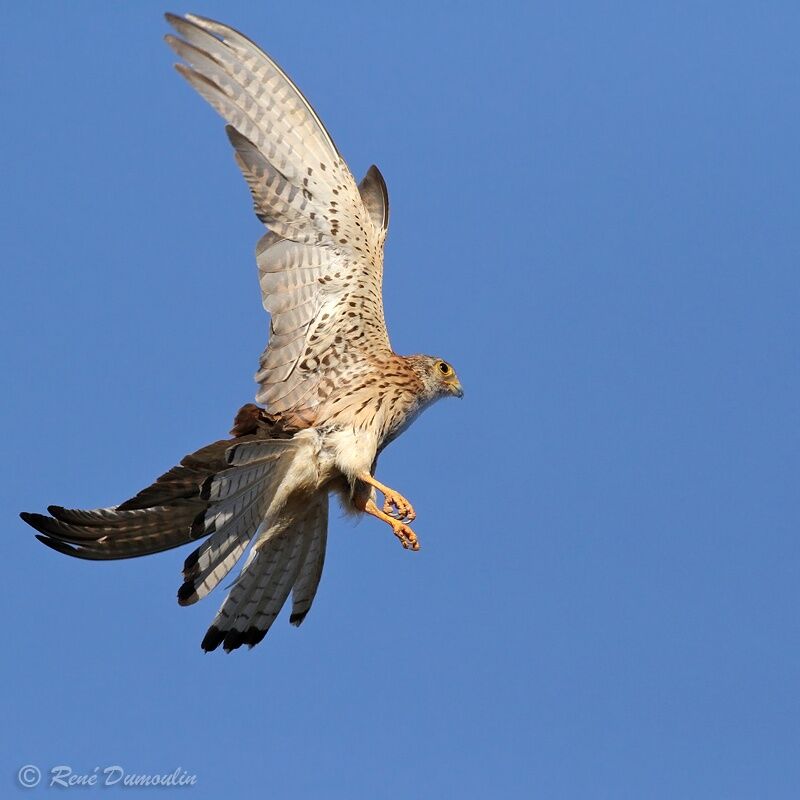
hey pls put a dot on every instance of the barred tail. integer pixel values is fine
(288, 555)
(239, 499)
(225, 492)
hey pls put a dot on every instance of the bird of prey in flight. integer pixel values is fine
(332, 392)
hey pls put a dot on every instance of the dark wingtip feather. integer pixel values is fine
(59, 546)
(253, 636)
(190, 568)
(38, 522)
(213, 639)
(198, 529)
(205, 487)
(187, 594)
(297, 619)
(230, 453)
(233, 640)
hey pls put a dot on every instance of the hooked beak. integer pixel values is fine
(457, 390)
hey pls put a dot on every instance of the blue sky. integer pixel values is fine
(594, 218)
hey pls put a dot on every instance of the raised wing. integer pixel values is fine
(321, 264)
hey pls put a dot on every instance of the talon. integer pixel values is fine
(397, 512)
(395, 505)
(406, 536)
(388, 508)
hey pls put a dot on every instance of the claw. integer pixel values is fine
(389, 509)
(406, 536)
(397, 512)
(396, 506)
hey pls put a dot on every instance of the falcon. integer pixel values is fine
(332, 393)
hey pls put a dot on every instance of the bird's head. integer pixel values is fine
(438, 376)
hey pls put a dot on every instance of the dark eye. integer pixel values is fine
(444, 368)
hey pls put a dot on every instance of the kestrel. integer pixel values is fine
(333, 394)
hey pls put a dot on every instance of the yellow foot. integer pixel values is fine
(406, 536)
(395, 505)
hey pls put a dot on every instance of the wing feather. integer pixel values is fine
(321, 264)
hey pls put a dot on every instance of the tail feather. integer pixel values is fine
(216, 557)
(232, 482)
(273, 586)
(196, 587)
(310, 573)
(227, 512)
(226, 491)
(256, 575)
(274, 596)
(248, 451)
(241, 497)
(285, 553)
